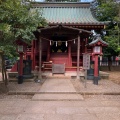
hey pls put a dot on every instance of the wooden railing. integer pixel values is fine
(47, 65)
(75, 63)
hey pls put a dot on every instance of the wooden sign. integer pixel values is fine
(86, 61)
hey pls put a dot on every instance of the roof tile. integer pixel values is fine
(69, 15)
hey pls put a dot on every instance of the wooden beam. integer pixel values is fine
(78, 56)
(40, 59)
(64, 28)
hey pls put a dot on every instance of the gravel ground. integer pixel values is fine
(15, 97)
(102, 97)
(109, 86)
(33, 86)
(24, 87)
(114, 76)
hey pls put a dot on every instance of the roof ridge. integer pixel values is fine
(78, 4)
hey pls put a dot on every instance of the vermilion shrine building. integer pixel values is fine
(64, 40)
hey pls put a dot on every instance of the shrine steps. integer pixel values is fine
(60, 58)
(57, 97)
(48, 74)
(67, 75)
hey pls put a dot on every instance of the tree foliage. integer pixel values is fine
(18, 21)
(109, 10)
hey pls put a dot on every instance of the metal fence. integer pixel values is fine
(111, 63)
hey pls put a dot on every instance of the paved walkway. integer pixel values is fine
(57, 85)
(57, 89)
(54, 104)
(25, 109)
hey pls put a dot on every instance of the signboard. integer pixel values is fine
(58, 68)
(86, 61)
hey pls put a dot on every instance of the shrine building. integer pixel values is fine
(65, 39)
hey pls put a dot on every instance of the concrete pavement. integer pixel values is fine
(52, 100)
(57, 97)
(60, 110)
(57, 85)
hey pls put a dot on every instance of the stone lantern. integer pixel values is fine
(21, 48)
(97, 45)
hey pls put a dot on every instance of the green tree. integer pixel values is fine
(108, 10)
(18, 21)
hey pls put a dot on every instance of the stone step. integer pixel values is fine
(67, 75)
(59, 77)
(57, 97)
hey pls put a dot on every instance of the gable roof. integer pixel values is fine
(97, 39)
(67, 13)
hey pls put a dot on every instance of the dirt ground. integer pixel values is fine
(114, 76)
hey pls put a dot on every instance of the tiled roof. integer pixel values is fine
(96, 39)
(68, 15)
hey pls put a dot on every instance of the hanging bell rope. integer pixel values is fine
(74, 41)
(66, 43)
(56, 43)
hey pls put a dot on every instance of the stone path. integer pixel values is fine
(57, 85)
(57, 97)
(60, 110)
(57, 90)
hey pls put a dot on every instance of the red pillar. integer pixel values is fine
(40, 59)
(20, 70)
(96, 77)
(78, 56)
(96, 66)
(48, 52)
(33, 62)
(32, 54)
(86, 42)
(69, 53)
(35, 50)
(93, 57)
(21, 65)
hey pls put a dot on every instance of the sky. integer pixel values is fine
(81, 0)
